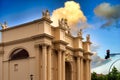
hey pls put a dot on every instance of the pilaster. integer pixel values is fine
(87, 70)
(37, 62)
(81, 68)
(78, 68)
(59, 65)
(63, 66)
(49, 63)
(44, 62)
(1, 65)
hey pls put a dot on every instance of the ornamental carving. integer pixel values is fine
(68, 57)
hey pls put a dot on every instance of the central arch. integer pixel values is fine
(68, 71)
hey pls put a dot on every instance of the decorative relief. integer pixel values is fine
(68, 57)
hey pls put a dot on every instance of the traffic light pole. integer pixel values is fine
(113, 64)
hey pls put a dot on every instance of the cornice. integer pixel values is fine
(70, 48)
(27, 39)
(79, 37)
(60, 42)
(24, 24)
(69, 35)
(44, 35)
(75, 49)
(88, 53)
(78, 49)
(88, 42)
(58, 27)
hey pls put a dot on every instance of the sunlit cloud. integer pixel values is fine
(71, 11)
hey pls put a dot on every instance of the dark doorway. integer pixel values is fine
(68, 71)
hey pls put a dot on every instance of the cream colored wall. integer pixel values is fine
(54, 67)
(59, 34)
(78, 43)
(20, 32)
(29, 65)
(47, 28)
(1, 67)
(29, 46)
(26, 31)
(5, 70)
(70, 40)
(23, 69)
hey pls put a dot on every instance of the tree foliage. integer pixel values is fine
(113, 75)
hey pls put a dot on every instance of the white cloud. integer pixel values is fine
(109, 13)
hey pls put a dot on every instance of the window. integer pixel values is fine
(19, 54)
(15, 67)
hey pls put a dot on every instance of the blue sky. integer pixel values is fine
(20, 11)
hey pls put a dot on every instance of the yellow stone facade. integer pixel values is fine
(39, 51)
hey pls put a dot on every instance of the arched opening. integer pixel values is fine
(19, 54)
(68, 71)
(19, 65)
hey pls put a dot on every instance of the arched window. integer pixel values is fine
(19, 54)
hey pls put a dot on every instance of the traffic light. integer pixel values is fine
(108, 54)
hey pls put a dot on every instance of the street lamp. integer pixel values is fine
(31, 77)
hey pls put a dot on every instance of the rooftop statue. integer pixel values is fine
(80, 33)
(88, 37)
(4, 26)
(46, 14)
(63, 23)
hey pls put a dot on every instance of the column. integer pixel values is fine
(87, 70)
(64, 66)
(37, 62)
(44, 62)
(81, 68)
(49, 63)
(78, 68)
(1, 66)
(59, 65)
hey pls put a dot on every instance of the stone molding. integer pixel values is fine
(27, 39)
(22, 25)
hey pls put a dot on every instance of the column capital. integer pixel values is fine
(50, 46)
(59, 50)
(81, 57)
(44, 44)
(87, 59)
